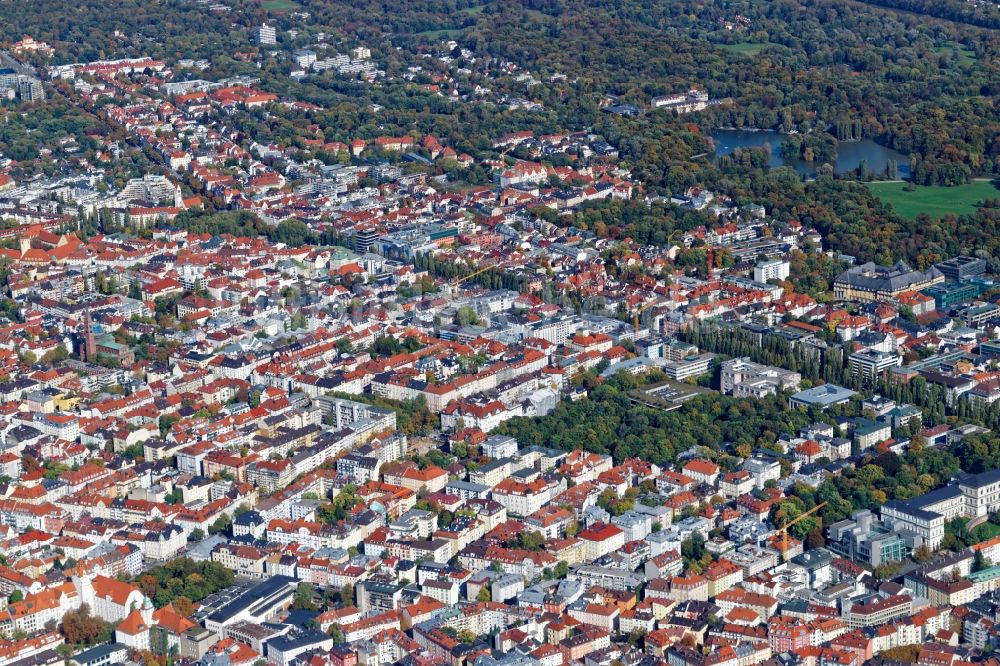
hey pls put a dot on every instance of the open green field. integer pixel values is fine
(445, 33)
(985, 532)
(279, 5)
(475, 13)
(935, 201)
(472, 11)
(965, 56)
(744, 48)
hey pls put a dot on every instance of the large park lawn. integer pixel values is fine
(935, 201)
(744, 48)
(279, 5)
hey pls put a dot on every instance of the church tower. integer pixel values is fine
(89, 350)
(147, 612)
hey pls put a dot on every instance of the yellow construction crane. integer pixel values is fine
(457, 281)
(639, 311)
(784, 529)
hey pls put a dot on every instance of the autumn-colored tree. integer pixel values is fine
(907, 653)
(147, 658)
(30, 464)
(148, 585)
(183, 605)
(81, 628)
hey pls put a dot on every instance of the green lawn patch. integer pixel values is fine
(453, 33)
(279, 5)
(985, 532)
(445, 33)
(744, 48)
(965, 56)
(935, 201)
(472, 11)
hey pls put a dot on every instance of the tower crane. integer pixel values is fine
(639, 311)
(479, 271)
(784, 528)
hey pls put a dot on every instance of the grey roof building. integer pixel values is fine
(101, 655)
(821, 396)
(870, 282)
